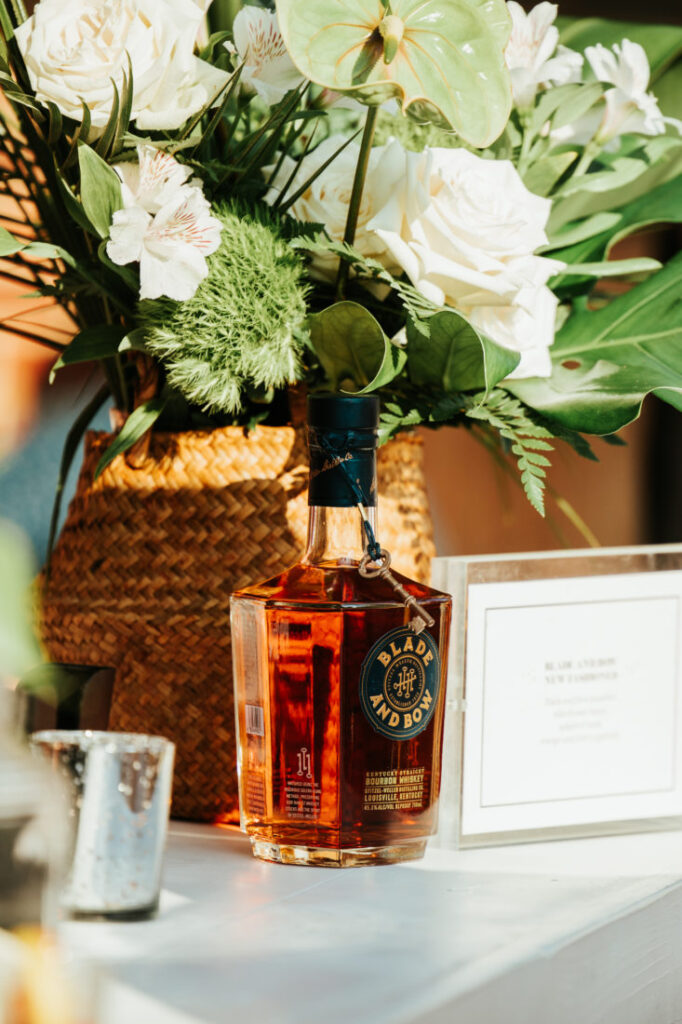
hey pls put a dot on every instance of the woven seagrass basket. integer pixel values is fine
(142, 574)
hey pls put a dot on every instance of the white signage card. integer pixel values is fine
(572, 704)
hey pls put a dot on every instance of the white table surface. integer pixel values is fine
(581, 932)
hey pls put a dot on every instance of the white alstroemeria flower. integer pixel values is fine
(73, 49)
(171, 245)
(628, 107)
(465, 230)
(532, 56)
(268, 68)
(326, 200)
(153, 180)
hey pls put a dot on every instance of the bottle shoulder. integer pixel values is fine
(335, 584)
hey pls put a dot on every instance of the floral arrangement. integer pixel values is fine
(416, 197)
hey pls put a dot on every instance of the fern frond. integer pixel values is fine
(527, 439)
(414, 303)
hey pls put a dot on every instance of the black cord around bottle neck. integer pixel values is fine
(373, 547)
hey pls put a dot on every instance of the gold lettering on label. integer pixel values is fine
(395, 651)
(331, 464)
(428, 657)
(394, 790)
(409, 646)
(393, 720)
(426, 701)
(385, 658)
(404, 684)
(421, 647)
(407, 723)
(376, 699)
(417, 716)
(383, 712)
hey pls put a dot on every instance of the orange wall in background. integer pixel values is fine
(24, 365)
(479, 510)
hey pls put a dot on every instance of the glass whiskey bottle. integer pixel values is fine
(339, 701)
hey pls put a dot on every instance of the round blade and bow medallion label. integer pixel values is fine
(399, 682)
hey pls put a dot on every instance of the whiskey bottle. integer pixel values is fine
(339, 680)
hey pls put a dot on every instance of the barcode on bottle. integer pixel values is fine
(255, 725)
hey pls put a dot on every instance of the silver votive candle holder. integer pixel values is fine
(119, 787)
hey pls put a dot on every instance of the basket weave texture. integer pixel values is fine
(144, 567)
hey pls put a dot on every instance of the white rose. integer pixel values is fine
(268, 68)
(74, 48)
(326, 200)
(526, 326)
(465, 230)
(532, 56)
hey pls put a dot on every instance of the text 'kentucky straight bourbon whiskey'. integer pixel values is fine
(340, 675)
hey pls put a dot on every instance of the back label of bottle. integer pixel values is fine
(399, 682)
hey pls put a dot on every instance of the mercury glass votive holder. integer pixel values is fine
(120, 789)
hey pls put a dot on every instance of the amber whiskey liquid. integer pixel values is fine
(339, 747)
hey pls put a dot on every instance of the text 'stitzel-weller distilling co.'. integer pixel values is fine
(339, 668)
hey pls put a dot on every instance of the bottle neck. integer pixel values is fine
(335, 535)
(343, 474)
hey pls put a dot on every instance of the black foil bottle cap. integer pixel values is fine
(333, 412)
(342, 439)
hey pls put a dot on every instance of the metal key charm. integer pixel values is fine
(421, 617)
(376, 561)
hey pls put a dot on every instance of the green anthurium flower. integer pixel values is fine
(441, 59)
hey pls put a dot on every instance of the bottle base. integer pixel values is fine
(318, 856)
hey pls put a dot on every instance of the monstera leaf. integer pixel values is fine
(441, 59)
(594, 237)
(607, 361)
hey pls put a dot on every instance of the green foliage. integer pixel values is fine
(405, 406)
(594, 237)
(90, 344)
(668, 91)
(455, 357)
(353, 48)
(411, 134)
(526, 439)
(354, 352)
(9, 245)
(565, 104)
(19, 649)
(135, 427)
(617, 180)
(443, 352)
(222, 13)
(100, 190)
(245, 141)
(244, 326)
(662, 205)
(368, 269)
(248, 331)
(637, 265)
(606, 361)
(542, 175)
